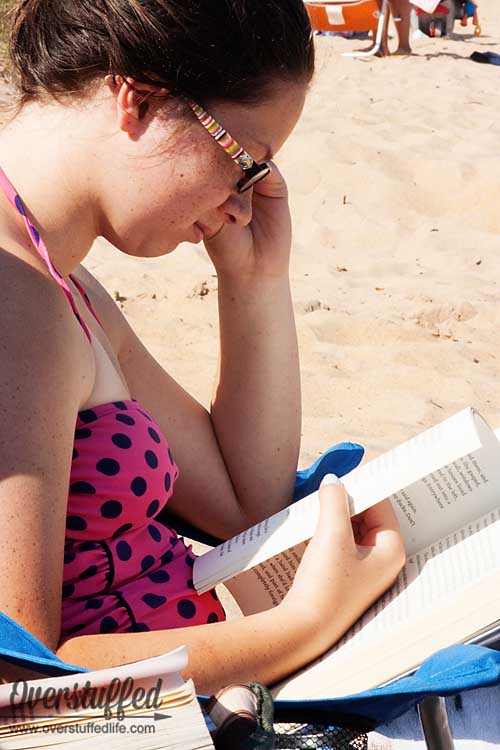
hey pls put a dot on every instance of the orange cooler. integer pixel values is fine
(349, 15)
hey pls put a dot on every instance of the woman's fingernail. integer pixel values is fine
(330, 479)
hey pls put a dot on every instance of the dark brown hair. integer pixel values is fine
(209, 49)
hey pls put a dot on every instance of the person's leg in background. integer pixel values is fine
(401, 11)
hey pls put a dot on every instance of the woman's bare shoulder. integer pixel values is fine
(38, 326)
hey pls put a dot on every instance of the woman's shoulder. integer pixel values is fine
(31, 297)
(39, 334)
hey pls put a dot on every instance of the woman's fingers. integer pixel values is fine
(272, 186)
(334, 517)
(379, 531)
(380, 517)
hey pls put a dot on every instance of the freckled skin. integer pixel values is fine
(196, 180)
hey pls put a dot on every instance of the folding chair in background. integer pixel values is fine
(349, 15)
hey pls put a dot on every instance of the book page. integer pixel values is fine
(169, 664)
(443, 500)
(261, 542)
(182, 729)
(463, 434)
(448, 498)
(266, 585)
(424, 591)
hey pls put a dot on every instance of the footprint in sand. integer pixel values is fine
(440, 314)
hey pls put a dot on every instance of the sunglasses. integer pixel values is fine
(253, 172)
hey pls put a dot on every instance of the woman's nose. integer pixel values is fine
(237, 209)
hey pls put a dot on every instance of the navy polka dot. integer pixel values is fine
(124, 551)
(154, 533)
(145, 415)
(75, 454)
(122, 530)
(186, 608)
(76, 523)
(108, 624)
(160, 576)
(87, 416)
(212, 617)
(170, 456)
(69, 557)
(190, 584)
(168, 481)
(153, 507)
(91, 571)
(167, 557)
(147, 562)
(121, 441)
(138, 486)
(151, 459)
(82, 488)
(108, 466)
(82, 433)
(189, 561)
(68, 590)
(125, 419)
(88, 546)
(154, 600)
(76, 629)
(174, 540)
(154, 434)
(120, 405)
(94, 604)
(138, 627)
(35, 233)
(111, 509)
(19, 205)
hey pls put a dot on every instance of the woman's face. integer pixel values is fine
(176, 184)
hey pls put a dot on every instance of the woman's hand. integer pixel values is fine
(347, 565)
(262, 247)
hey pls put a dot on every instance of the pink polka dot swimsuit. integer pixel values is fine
(124, 571)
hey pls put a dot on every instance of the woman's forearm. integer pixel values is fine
(256, 410)
(264, 647)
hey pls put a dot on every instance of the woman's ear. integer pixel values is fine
(132, 101)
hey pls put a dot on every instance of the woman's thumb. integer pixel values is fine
(334, 506)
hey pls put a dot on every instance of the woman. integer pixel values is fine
(111, 139)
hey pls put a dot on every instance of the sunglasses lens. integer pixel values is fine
(258, 172)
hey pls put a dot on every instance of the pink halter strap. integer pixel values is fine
(41, 248)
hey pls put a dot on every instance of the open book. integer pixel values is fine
(145, 704)
(444, 485)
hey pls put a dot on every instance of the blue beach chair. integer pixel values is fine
(338, 724)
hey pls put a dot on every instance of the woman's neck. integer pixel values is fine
(49, 166)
